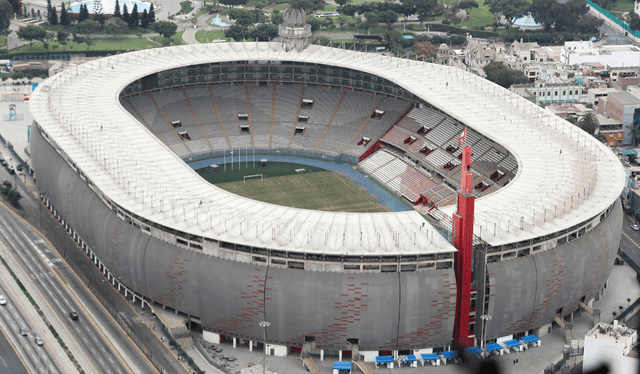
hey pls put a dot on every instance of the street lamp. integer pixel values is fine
(264, 325)
(484, 318)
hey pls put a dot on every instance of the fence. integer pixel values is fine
(13, 152)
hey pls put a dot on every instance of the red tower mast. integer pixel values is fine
(463, 241)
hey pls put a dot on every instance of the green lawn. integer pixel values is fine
(319, 190)
(3, 40)
(105, 44)
(186, 7)
(202, 36)
(254, 2)
(175, 39)
(330, 8)
(480, 16)
(623, 6)
(351, 29)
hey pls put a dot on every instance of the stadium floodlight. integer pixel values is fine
(484, 318)
(264, 325)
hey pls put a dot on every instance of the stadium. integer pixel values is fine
(118, 140)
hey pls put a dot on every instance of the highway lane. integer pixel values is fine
(13, 318)
(40, 262)
(10, 362)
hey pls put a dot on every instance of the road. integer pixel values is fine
(630, 241)
(612, 36)
(10, 362)
(12, 319)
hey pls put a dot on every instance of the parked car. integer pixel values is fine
(73, 316)
(635, 227)
(11, 170)
(3, 163)
(19, 167)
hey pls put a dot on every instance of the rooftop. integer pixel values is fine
(625, 98)
(564, 177)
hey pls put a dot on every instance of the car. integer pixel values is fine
(73, 316)
(3, 163)
(19, 167)
(11, 170)
(38, 341)
(24, 332)
(635, 227)
(3, 301)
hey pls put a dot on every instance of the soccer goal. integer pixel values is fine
(254, 176)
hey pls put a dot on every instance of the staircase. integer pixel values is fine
(307, 361)
(366, 369)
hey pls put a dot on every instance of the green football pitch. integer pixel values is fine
(314, 188)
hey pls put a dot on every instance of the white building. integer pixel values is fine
(556, 93)
(610, 345)
(574, 53)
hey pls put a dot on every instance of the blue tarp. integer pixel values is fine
(474, 350)
(341, 365)
(494, 347)
(512, 343)
(627, 152)
(430, 356)
(384, 358)
(450, 354)
(409, 358)
(530, 338)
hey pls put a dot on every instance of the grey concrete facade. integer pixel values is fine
(383, 311)
(527, 292)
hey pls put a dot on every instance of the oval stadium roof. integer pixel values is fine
(565, 176)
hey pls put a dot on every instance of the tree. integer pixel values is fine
(424, 9)
(606, 4)
(388, 17)
(342, 19)
(236, 32)
(14, 197)
(115, 26)
(233, 2)
(276, 17)
(62, 37)
(634, 24)
(259, 5)
(49, 9)
(5, 15)
(372, 19)
(559, 15)
(511, 9)
(83, 14)
(165, 28)
(116, 9)
(498, 73)
(32, 33)
(589, 123)
(264, 32)
(88, 27)
(98, 12)
(152, 14)
(341, 2)
(125, 14)
(242, 17)
(307, 5)
(133, 19)
(144, 20)
(53, 20)
(425, 49)
(315, 23)
(64, 16)
(15, 4)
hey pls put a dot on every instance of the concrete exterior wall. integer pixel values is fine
(385, 311)
(527, 292)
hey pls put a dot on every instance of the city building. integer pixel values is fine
(575, 53)
(610, 345)
(625, 108)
